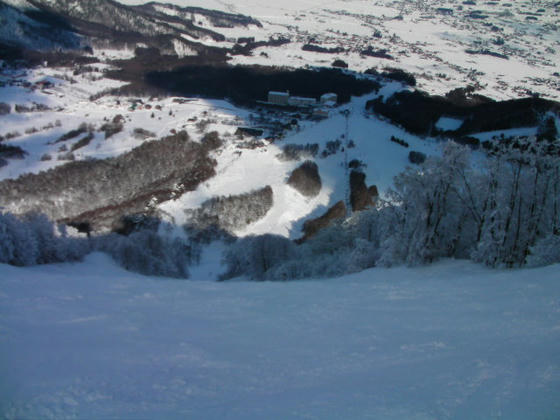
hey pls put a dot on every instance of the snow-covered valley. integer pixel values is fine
(448, 341)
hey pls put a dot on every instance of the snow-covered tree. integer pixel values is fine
(148, 252)
(33, 239)
(254, 256)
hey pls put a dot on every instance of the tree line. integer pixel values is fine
(502, 212)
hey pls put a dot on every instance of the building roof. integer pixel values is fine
(278, 93)
(303, 98)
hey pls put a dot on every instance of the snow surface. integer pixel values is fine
(452, 340)
(449, 123)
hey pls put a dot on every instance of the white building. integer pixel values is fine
(329, 98)
(278, 98)
(301, 101)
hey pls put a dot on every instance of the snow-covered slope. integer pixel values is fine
(449, 341)
(253, 169)
(18, 26)
(71, 101)
(239, 169)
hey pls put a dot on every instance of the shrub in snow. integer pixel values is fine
(136, 222)
(336, 212)
(53, 244)
(331, 148)
(73, 133)
(17, 244)
(306, 179)
(399, 141)
(7, 151)
(298, 151)
(546, 251)
(338, 249)
(416, 157)
(399, 75)
(83, 142)
(12, 135)
(360, 196)
(142, 134)
(112, 128)
(201, 125)
(233, 212)
(319, 49)
(67, 156)
(332, 240)
(5, 108)
(35, 107)
(335, 250)
(340, 63)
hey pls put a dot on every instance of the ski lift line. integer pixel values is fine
(346, 114)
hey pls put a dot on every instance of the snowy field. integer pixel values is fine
(453, 340)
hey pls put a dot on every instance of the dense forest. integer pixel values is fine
(419, 112)
(246, 84)
(100, 191)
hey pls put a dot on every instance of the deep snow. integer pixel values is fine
(452, 340)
